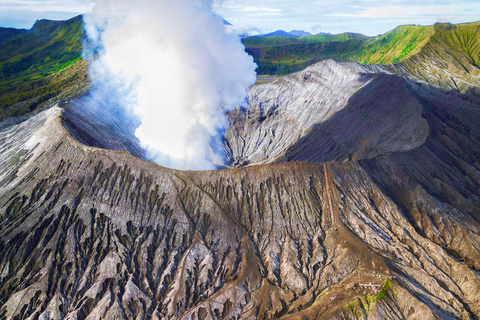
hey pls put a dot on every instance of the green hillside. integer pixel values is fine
(457, 40)
(450, 59)
(8, 33)
(275, 40)
(283, 57)
(392, 46)
(45, 63)
(268, 41)
(40, 64)
(332, 37)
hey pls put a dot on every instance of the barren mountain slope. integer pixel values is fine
(88, 233)
(280, 113)
(335, 111)
(329, 111)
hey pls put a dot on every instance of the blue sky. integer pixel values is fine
(370, 17)
(23, 13)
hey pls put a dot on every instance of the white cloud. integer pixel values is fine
(261, 14)
(46, 6)
(370, 17)
(396, 12)
(334, 16)
(259, 9)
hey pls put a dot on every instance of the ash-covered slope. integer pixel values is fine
(329, 111)
(280, 113)
(334, 111)
(87, 233)
(94, 121)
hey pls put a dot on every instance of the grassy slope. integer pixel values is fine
(392, 47)
(40, 64)
(332, 37)
(7, 33)
(449, 59)
(283, 55)
(45, 62)
(468, 38)
(275, 40)
(268, 41)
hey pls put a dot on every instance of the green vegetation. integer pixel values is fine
(283, 55)
(368, 302)
(45, 63)
(268, 41)
(276, 40)
(333, 37)
(40, 64)
(461, 39)
(393, 46)
(324, 292)
(7, 33)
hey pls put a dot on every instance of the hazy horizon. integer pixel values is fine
(370, 17)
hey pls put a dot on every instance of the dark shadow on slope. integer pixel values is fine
(446, 167)
(383, 116)
(95, 122)
(437, 170)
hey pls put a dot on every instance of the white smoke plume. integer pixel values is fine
(175, 65)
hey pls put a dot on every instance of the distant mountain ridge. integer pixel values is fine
(409, 50)
(300, 33)
(283, 33)
(44, 64)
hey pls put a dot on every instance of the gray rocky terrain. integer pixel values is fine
(331, 111)
(355, 196)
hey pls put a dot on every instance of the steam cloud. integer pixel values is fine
(175, 65)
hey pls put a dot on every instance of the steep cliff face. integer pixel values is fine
(373, 210)
(280, 113)
(335, 111)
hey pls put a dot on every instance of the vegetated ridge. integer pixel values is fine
(411, 45)
(7, 33)
(41, 64)
(44, 64)
(283, 33)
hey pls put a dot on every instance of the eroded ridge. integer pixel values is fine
(88, 233)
